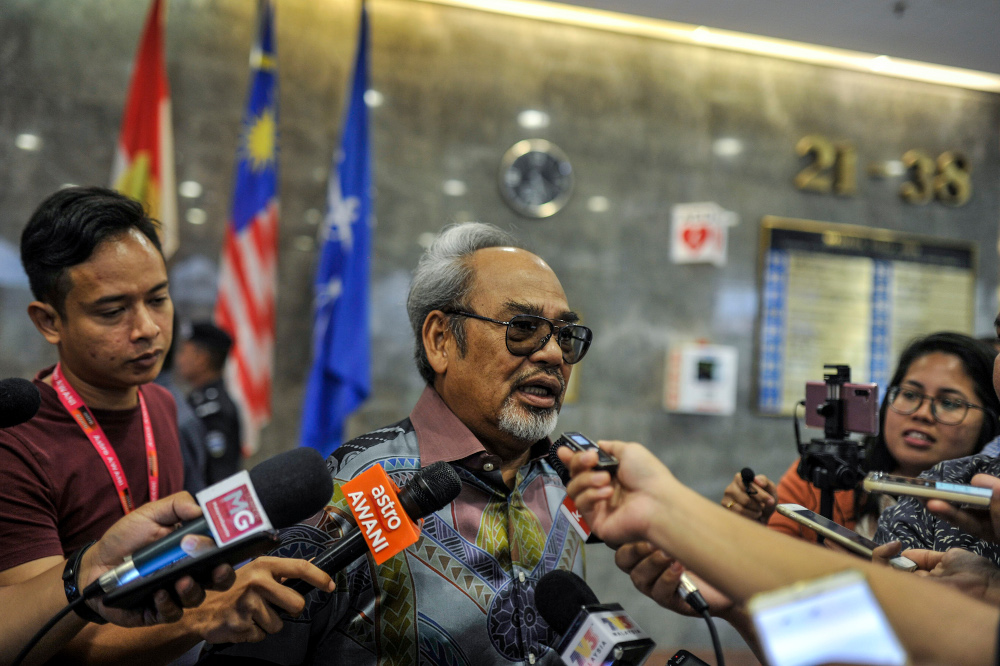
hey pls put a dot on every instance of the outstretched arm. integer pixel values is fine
(741, 558)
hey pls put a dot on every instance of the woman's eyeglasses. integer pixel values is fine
(526, 334)
(946, 410)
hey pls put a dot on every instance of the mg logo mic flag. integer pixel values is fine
(144, 158)
(248, 270)
(340, 377)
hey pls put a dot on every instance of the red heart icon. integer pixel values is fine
(695, 237)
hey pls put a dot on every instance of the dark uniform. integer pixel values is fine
(221, 417)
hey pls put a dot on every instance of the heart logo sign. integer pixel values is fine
(695, 237)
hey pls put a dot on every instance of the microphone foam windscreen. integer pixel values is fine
(19, 401)
(292, 485)
(433, 488)
(747, 475)
(559, 597)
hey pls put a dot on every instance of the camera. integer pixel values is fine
(839, 407)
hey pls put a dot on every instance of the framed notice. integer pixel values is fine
(845, 294)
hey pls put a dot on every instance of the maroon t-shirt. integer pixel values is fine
(56, 493)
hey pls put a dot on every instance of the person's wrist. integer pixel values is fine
(72, 585)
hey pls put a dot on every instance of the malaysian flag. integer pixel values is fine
(248, 274)
(144, 157)
(340, 378)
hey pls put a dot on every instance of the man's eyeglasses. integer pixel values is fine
(946, 410)
(526, 334)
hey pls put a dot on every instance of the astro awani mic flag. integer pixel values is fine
(340, 378)
(144, 158)
(248, 271)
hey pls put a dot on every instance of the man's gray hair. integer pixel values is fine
(443, 279)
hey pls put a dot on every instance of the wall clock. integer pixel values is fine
(536, 178)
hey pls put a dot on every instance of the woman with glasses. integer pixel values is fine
(939, 405)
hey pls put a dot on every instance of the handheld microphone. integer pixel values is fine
(19, 401)
(593, 634)
(433, 488)
(747, 475)
(290, 486)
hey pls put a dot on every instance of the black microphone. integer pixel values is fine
(591, 632)
(19, 401)
(747, 475)
(291, 486)
(433, 488)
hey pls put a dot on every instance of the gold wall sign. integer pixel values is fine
(833, 169)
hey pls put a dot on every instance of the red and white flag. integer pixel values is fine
(144, 159)
(248, 272)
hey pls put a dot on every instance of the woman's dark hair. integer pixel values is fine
(977, 359)
(66, 228)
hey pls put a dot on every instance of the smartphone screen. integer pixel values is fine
(849, 539)
(828, 528)
(929, 488)
(836, 619)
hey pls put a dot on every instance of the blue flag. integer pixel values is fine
(340, 378)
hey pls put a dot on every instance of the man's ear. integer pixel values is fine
(436, 337)
(46, 320)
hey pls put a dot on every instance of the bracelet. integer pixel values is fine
(71, 585)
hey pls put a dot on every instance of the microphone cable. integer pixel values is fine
(693, 598)
(88, 592)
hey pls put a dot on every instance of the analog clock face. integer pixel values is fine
(536, 178)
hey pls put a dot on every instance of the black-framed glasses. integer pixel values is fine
(526, 334)
(946, 410)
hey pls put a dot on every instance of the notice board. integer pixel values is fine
(846, 294)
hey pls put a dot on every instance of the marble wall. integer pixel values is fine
(637, 117)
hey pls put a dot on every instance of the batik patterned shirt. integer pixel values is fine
(464, 593)
(916, 527)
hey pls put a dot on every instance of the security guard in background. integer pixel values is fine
(200, 361)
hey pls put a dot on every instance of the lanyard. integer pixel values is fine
(71, 400)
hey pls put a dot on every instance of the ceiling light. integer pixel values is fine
(733, 41)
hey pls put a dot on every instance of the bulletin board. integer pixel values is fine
(846, 294)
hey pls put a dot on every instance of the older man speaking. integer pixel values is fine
(495, 342)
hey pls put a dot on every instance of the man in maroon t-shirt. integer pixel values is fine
(105, 439)
(100, 282)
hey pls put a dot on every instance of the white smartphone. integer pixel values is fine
(852, 541)
(834, 619)
(880, 482)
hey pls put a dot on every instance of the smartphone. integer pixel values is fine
(850, 540)
(138, 593)
(685, 658)
(860, 406)
(578, 442)
(880, 482)
(835, 619)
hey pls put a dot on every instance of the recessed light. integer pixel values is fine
(598, 204)
(727, 147)
(454, 188)
(27, 141)
(533, 119)
(190, 189)
(196, 216)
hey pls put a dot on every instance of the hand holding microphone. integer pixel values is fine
(750, 495)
